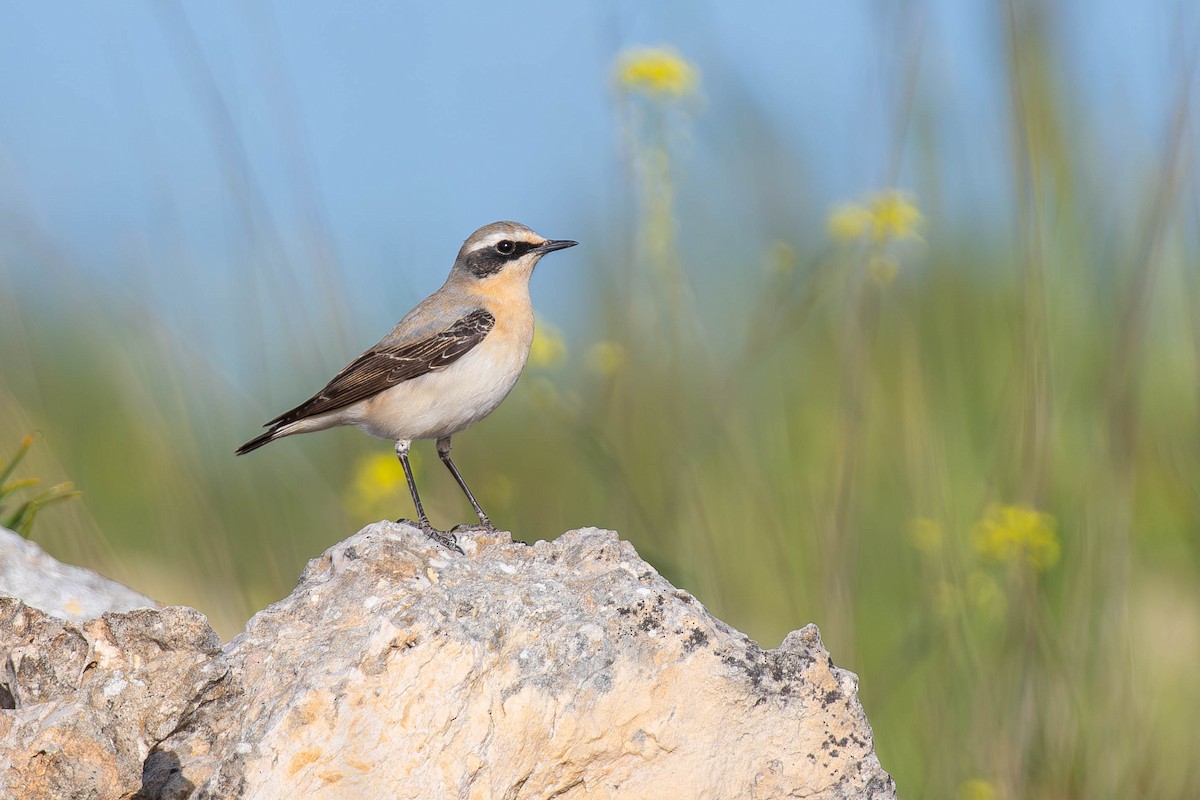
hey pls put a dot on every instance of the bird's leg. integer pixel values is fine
(423, 521)
(443, 448)
(402, 453)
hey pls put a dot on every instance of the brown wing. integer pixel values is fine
(383, 367)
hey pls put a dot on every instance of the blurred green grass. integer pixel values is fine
(812, 441)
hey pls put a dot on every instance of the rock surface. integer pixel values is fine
(72, 593)
(89, 700)
(397, 669)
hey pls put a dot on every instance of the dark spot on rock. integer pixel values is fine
(698, 638)
(857, 741)
(162, 776)
(752, 667)
(832, 696)
(833, 753)
(650, 617)
(6, 698)
(878, 787)
(351, 553)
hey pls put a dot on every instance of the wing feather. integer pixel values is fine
(382, 367)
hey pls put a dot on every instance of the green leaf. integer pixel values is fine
(6, 470)
(24, 483)
(22, 521)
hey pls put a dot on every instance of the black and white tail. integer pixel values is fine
(258, 442)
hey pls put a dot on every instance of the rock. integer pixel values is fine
(90, 699)
(67, 592)
(398, 669)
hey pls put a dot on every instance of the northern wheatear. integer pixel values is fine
(445, 366)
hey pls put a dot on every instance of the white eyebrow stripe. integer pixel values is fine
(494, 238)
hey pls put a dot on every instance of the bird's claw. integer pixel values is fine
(447, 540)
(481, 527)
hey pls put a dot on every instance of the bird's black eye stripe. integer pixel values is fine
(489, 260)
(509, 249)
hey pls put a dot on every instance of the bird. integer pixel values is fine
(446, 365)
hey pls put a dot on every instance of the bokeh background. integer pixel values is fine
(885, 317)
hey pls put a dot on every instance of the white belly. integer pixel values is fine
(447, 401)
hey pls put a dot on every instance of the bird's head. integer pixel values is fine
(503, 250)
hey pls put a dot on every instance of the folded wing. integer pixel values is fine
(382, 367)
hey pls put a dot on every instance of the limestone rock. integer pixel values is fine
(89, 699)
(397, 669)
(67, 592)
(565, 669)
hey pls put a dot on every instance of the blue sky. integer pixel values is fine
(136, 139)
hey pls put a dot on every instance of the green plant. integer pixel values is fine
(21, 519)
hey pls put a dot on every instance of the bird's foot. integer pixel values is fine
(447, 540)
(483, 526)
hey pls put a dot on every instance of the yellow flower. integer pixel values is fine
(606, 357)
(976, 789)
(885, 216)
(549, 349)
(656, 72)
(893, 216)
(379, 485)
(849, 222)
(1009, 533)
